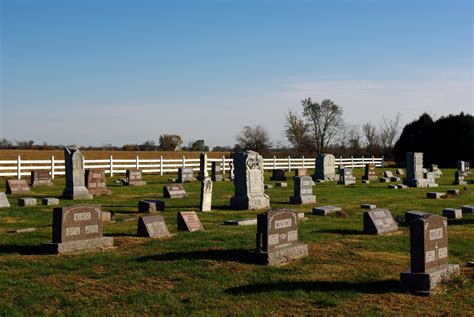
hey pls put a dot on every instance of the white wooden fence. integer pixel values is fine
(112, 166)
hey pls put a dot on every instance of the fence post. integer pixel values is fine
(289, 163)
(223, 164)
(18, 167)
(340, 160)
(352, 161)
(161, 165)
(303, 161)
(137, 163)
(373, 159)
(52, 166)
(184, 161)
(274, 162)
(111, 166)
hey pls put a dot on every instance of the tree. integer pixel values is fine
(371, 137)
(254, 138)
(147, 146)
(170, 142)
(297, 133)
(325, 119)
(388, 132)
(5, 144)
(199, 145)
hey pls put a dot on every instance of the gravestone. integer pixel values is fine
(17, 186)
(416, 177)
(206, 194)
(281, 184)
(75, 182)
(231, 171)
(301, 172)
(152, 227)
(467, 166)
(467, 209)
(461, 166)
(326, 210)
(413, 214)
(395, 179)
(368, 206)
(150, 205)
(4, 203)
(202, 167)
(384, 180)
(185, 175)
(400, 172)
(453, 191)
(452, 213)
(401, 186)
(325, 167)
(134, 177)
(241, 222)
(216, 173)
(435, 170)
(77, 228)
(248, 182)
(428, 255)
(435, 195)
(378, 221)
(174, 191)
(345, 176)
(277, 237)
(459, 178)
(49, 201)
(370, 174)
(303, 191)
(27, 201)
(278, 175)
(388, 174)
(189, 221)
(40, 178)
(96, 183)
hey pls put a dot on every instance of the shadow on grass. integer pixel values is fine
(21, 249)
(120, 235)
(461, 222)
(233, 255)
(343, 232)
(374, 287)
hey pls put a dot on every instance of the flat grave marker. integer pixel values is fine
(152, 227)
(4, 203)
(151, 205)
(17, 186)
(175, 191)
(40, 178)
(189, 221)
(379, 221)
(27, 201)
(134, 177)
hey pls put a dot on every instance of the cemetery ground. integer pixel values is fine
(209, 272)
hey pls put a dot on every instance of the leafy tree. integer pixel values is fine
(254, 138)
(199, 145)
(170, 142)
(5, 144)
(147, 146)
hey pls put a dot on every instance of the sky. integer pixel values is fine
(115, 71)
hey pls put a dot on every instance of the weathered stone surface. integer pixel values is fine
(17, 186)
(22, 230)
(206, 195)
(151, 205)
(413, 214)
(345, 176)
(174, 191)
(278, 175)
(459, 178)
(467, 209)
(400, 172)
(106, 216)
(152, 227)
(95, 244)
(75, 182)
(49, 201)
(281, 184)
(96, 182)
(189, 221)
(401, 186)
(216, 172)
(417, 176)
(368, 206)
(428, 255)
(435, 170)
(203, 162)
(27, 201)
(301, 172)
(392, 186)
(388, 174)
(370, 173)
(268, 186)
(134, 177)
(325, 167)
(452, 213)
(395, 179)
(248, 182)
(326, 210)
(40, 178)
(384, 180)
(364, 181)
(455, 192)
(435, 195)
(277, 237)
(241, 222)
(461, 166)
(378, 221)
(4, 203)
(185, 175)
(303, 191)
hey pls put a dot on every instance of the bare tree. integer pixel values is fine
(297, 133)
(371, 136)
(388, 132)
(325, 120)
(254, 138)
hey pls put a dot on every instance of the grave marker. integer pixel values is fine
(40, 178)
(96, 183)
(75, 183)
(379, 221)
(174, 191)
(416, 176)
(303, 191)
(345, 176)
(216, 172)
(152, 227)
(4, 203)
(206, 194)
(185, 175)
(27, 201)
(203, 167)
(278, 175)
(134, 177)
(301, 172)
(150, 205)
(17, 186)
(369, 173)
(325, 167)
(189, 221)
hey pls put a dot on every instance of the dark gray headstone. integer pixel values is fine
(134, 177)
(75, 182)
(326, 210)
(459, 178)
(465, 209)
(301, 172)
(203, 173)
(303, 191)
(452, 213)
(413, 214)
(189, 221)
(345, 176)
(278, 175)
(185, 175)
(17, 186)
(417, 176)
(40, 178)
(152, 227)
(96, 182)
(378, 221)
(216, 172)
(151, 205)
(370, 173)
(174, 191)
(49, 201)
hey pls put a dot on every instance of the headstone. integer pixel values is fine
(75, 182)
(27, 201)
(467, 209)
(185, 175)
(388, 174)
(241, 222)
(384, 180)
(370, 173)
(368, 206)
(325, 167)
(40, 178)
(428, 254)
(106, 216)
(189, 221)
(435, 195)
(206, 194)
(395, 179)
(303, 191)
(4, 203)
(364, 181)
(400, 172)
(461, 166)
(459, 178)
(268, 186)
(96, 183)
(17, 186)
(151, 205)
(401, 186)
(454, 192)
(392, 186)
(326, 210)
(277, 237)
(378, 221)
(216, 174)
(435, 170)
(77, 228)
(413, 214)
(203, 173)
(452, 213)
(467, 166)
(174, 191)
(152, 227)
(248, 182)
(345, 176)
(49, 201)
(134, 177)
(231, 171)
(278, 175)
(416, 176)
(301, 172)
(281, 184)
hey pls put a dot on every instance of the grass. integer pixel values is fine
(208, 273)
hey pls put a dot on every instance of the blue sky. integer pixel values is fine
(103, 71)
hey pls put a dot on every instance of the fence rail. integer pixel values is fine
(112, 166)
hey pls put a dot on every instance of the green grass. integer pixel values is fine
(208, 273)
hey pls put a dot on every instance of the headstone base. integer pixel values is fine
(253, 202)
(42, 183)
(419, 183)
(77, 193)
(136, 183)
(49, 201)
(281, 256)
(78, 246)
(241, 222)
(460, 183)
(105, 192)
(425, 283)
(302, 200)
